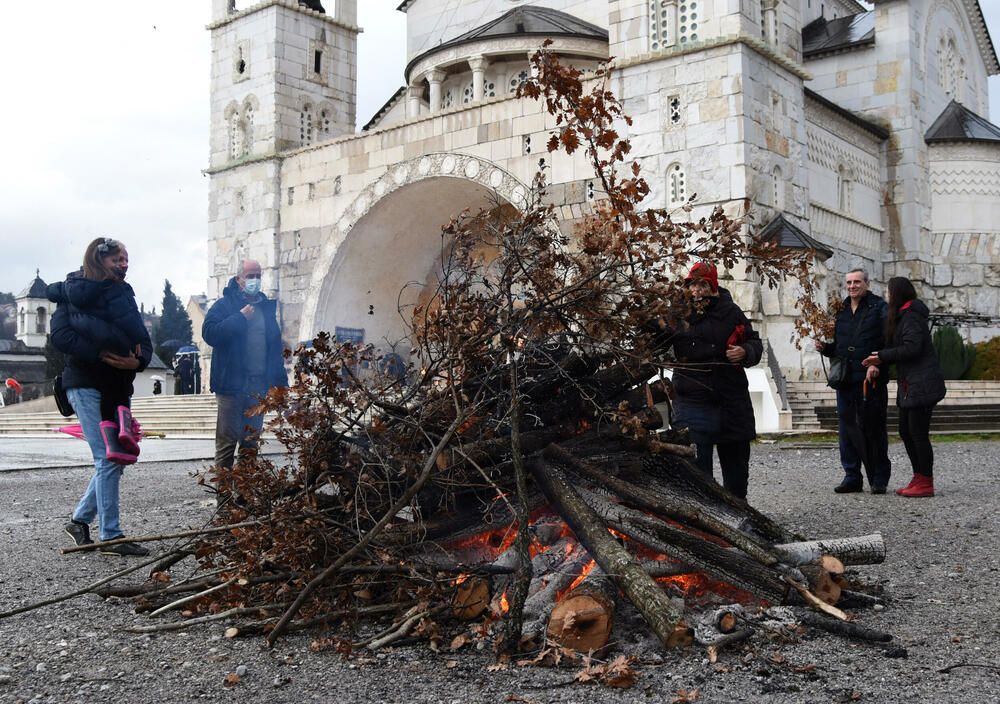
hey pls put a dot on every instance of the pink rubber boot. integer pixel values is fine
(129, 442)
(115, 452)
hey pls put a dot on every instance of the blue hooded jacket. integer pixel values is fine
(225, 329)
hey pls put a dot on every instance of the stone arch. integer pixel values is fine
(390, 251)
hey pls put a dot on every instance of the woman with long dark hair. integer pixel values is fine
(921, 382)
(99, 329)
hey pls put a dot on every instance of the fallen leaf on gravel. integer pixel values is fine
(810, 668)
(231, 680)
(451, 663)
(460, 640)
(497, 667)
(685, 697)
(618, 673)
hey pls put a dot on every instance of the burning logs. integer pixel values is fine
(583, 619)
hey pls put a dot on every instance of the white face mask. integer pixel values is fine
(252, 286)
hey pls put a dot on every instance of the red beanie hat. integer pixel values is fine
(706, 272)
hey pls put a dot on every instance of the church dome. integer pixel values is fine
(36, 289)
(521, 22)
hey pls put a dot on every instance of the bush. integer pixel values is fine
(954, 355)
(987, 362)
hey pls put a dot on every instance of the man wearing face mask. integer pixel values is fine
(246, 361)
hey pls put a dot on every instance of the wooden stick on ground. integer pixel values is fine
(55, 600)
(149, 538)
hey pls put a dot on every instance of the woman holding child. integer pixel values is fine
(98, 327)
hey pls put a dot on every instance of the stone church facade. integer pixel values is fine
(859, 130)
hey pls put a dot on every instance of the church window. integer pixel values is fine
(22, 327)
(235, 136)
(317, 62)
(516, 80)
(241, 59)
(468, 93)
(590, 190)
(526, 144)
(845, 189)
(778, 189)
(687, 22)
(40, 319)
(661, 16)
(324, 123)
(676, 184)
(306, 125)
(291, 195)
(674, 104)
(490, 89)
(247, 137)
(448, 99)
(241, 64)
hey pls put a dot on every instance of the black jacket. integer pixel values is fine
(863, 329)
(92, 316)
(225, 329)
(921, 382)
(707, 384)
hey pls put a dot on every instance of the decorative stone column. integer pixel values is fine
(434, 78)
(768, 10)
(413, 100)
(478, 65)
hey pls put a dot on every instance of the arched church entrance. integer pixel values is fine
(388, 260)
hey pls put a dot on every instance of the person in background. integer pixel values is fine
(102, 359)
(712, 391)
(921, 382)
(247, 361)
(861, 421)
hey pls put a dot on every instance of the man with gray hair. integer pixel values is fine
(242, 328)
(861, 406)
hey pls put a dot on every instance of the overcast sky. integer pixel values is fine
(105, 120)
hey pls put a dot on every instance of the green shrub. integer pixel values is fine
(954, 355)
(987, 362)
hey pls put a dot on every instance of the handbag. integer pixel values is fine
(839, 376)
(62, 401)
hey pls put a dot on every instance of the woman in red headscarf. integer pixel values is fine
(712, 392)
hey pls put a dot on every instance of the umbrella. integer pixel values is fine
(12, 383)
(187, 349)
(157, 377)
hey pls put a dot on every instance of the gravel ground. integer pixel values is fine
(941, 574)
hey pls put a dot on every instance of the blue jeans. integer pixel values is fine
(101, 497)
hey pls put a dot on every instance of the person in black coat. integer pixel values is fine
(861, 408)
(712, 391)
(99, 329)
(921, 382)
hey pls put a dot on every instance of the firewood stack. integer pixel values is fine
(618, 512)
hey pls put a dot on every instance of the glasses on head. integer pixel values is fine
(109, 245)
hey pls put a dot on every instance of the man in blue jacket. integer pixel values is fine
(861, 416)
(247, 359)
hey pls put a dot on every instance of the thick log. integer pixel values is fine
(821, 583)
(860, 550)
(624, 570)
(539, 605)
(583, 619)
(843, 628)
(683, 478)
(666, 506)
(721, 563)
(487, 453)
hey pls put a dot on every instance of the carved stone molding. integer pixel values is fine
(397, 176)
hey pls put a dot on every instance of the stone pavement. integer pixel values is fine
(20, 453)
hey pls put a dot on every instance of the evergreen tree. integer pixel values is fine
(174, 329)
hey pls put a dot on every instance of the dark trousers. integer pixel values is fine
(231, 426)
(863, 440)
(734, 457)
(914, 429)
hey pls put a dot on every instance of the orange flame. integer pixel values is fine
(504, 604)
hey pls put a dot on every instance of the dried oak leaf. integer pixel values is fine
(685, 697)
(232, 679)
(460, 640)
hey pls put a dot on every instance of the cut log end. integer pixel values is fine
(471, 597)
(682, 637)
(581, 622)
